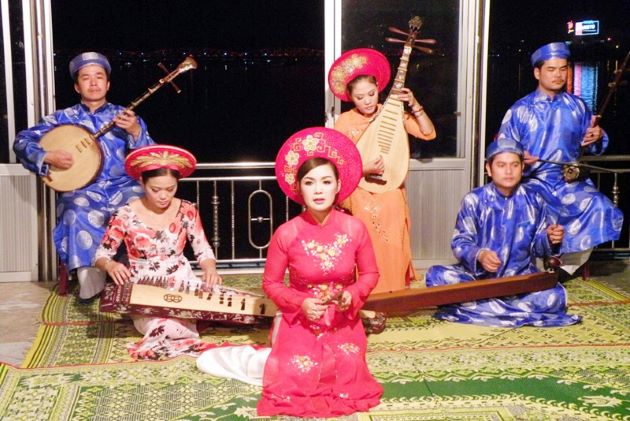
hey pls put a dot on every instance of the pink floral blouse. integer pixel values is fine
(157, 252)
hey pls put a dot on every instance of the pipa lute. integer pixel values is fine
(386, 135)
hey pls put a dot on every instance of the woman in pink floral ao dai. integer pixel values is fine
(316, 366)
(155, 230)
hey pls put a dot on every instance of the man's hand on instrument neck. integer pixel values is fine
(529, 159)
(128, 121)
(555, 233)
(593, 134)
(59, 158)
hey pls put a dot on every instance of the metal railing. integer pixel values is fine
(242, 205)
(608, 181)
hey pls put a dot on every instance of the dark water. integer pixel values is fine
(261, 69)
(244, 108)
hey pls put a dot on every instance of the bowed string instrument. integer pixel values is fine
(573, 171)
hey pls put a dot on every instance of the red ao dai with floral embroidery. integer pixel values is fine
(318, 369)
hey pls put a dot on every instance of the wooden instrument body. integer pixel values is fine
(400, 303)
(386, 136)
(83, 145)
(86, 154)
(225, 304)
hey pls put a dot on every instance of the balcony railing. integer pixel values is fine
(242, 205)
(615, 183)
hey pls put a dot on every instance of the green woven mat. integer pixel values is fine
(430, 369)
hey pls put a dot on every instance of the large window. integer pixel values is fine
(433, 79)
(259, 77)
(4, 143)
(16, 70)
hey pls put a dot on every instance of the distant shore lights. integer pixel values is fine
(583, 28)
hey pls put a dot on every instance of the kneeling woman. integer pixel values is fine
(155, 229)
(316, 366)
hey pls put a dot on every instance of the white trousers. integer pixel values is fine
(91, 281)
(572, 261)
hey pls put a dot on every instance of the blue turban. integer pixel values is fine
(85, 59)
(504, 145)
(549, 51)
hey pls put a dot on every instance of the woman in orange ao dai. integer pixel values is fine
(358, 76)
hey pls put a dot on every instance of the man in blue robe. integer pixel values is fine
(501, 228)
(83, 214)
(554, 125)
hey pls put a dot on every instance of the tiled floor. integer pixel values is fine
(21, 304)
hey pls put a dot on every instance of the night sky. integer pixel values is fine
(152, 25)
(517, 27)
(536, 22)
(254, 24)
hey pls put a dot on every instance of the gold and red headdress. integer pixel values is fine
(318, 142)
(354, 63)
(159, 156)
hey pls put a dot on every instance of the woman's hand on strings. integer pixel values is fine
(212, 278)
(210, 275)
(118, 272)
(375, 166)
(406, 95)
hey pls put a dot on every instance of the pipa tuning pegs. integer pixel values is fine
(398, 31)
(394, 40)
(423, 49)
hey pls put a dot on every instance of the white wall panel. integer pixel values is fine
(18, 224)
(434, 196)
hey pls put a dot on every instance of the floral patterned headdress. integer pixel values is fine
(354, 63)
(318, 142)
(159, 156)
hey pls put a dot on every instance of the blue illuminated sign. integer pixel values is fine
(587, 27)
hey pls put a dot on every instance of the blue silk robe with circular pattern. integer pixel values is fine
(514, 228)
(553, 129)
(82, 214)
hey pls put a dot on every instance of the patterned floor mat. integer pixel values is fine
(78, 368)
